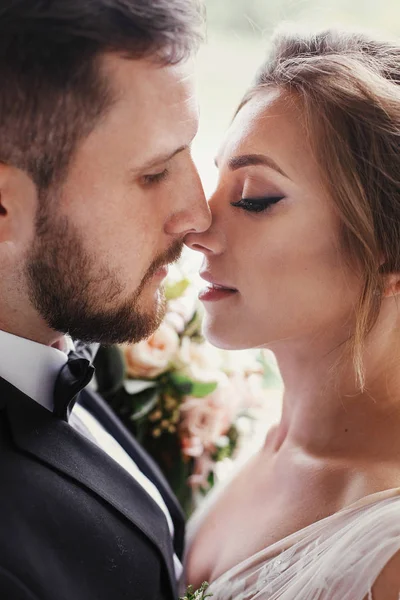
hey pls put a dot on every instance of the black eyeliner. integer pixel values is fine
(257, 204)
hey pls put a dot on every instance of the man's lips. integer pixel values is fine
(161, 272)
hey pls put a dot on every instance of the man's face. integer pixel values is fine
(132, 193)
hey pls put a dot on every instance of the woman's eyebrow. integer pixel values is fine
(248, 160)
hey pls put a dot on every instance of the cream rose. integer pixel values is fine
(179, 313)
(153, 356)
(200, 362)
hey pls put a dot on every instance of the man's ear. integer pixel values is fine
(4, 170)
(392, 285)
(5, 205)
(18, 203)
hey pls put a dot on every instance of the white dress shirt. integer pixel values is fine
(33, 368)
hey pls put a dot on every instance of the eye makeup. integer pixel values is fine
(257, 205)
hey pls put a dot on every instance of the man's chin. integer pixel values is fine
(145, 323)
(127, 325)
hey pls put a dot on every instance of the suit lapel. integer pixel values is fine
(106, 416)
(36, 431)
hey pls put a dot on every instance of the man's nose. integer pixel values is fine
(193, 214)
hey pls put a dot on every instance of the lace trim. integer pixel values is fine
(341, 563)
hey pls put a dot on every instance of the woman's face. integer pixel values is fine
(274, 238)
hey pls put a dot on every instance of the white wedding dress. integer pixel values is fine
(336, 558)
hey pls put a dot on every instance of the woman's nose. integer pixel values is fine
(197, 241)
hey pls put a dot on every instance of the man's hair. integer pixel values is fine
(52, 88)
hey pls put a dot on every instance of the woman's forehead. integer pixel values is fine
(271, 124)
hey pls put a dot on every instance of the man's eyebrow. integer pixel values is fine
(248, 160)
(161, 158)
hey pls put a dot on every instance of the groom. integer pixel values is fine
(97, 191)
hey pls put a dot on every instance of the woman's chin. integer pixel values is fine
(223, 338)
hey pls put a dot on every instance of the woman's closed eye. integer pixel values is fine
(257, 205)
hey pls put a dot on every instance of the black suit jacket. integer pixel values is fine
(73, 524)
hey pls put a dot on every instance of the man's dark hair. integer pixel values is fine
(52, 89)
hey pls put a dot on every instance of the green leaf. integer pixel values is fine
(144, 403)
(136, 386)
(187, 387)
(182, 383)
(201, 389)
(199, 594)
(177, 289)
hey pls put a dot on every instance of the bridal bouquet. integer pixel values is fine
(199, 594)
(189, 404)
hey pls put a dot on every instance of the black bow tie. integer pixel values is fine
(73, 377)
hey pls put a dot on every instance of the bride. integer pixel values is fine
(303, 258)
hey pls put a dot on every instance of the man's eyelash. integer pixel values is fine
(155, 177)
(257, 205)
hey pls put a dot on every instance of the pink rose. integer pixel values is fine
(152, 357)
(208, 418)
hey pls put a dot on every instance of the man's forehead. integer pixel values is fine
(163, 135)
(156, 107)
(148, 91)
(145, 78)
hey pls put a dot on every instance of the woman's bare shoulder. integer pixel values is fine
(387, 584)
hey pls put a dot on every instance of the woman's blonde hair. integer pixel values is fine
(349, 88)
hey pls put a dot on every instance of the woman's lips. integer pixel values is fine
(214, 292)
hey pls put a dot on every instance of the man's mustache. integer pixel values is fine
(172, 255)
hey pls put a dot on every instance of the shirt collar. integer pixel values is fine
(32, 367)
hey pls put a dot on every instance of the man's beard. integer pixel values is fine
(77, 296)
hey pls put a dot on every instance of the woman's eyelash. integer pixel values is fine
(155, 177)
(257, 205)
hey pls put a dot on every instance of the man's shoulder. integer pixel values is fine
(7, 390)
(10, 395)
(64, 502)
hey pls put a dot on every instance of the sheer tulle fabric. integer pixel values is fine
(337, 558)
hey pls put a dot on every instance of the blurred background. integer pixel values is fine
(238, 36)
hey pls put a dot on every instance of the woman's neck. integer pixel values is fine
(324, 411)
